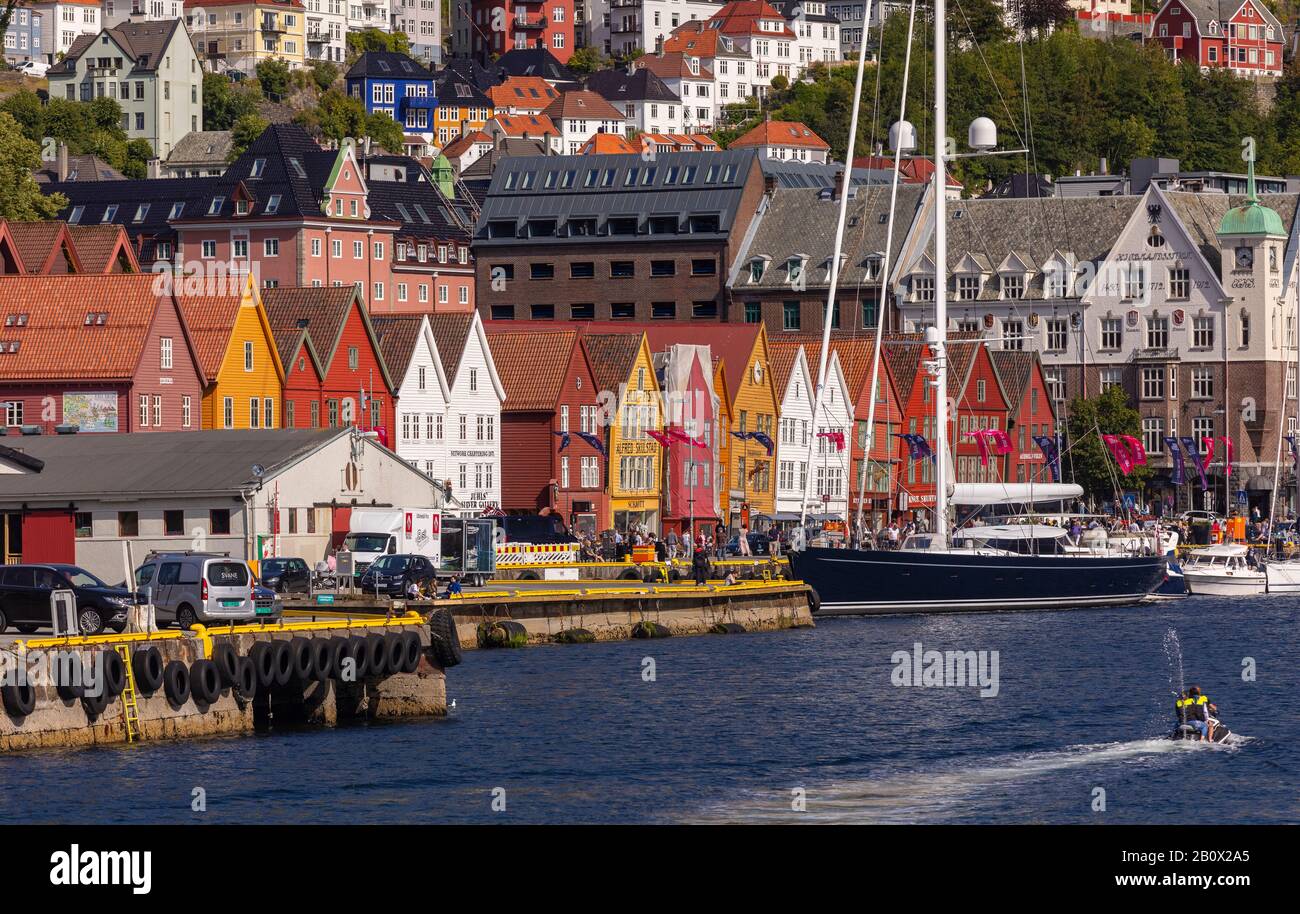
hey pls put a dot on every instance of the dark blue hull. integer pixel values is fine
(868, 581)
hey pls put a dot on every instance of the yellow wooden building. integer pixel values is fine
(622, 365)
(237, 354)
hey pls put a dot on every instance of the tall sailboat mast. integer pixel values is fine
(939, 335)
(845, 183)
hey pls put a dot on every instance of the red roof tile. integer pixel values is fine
(532, 366)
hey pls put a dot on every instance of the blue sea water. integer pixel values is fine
(731, 727)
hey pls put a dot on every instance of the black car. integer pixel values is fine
(286, 575)
(25, 598)
(390, 575)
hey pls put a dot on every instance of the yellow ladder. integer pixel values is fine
(130, 710)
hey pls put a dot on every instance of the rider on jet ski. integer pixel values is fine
(1193, 708)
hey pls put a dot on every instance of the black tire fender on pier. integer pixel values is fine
(114, 670)
(263, 664)
(71, 675)
(412, 650)
(94, 705)
(444, 641)
(304, 665)
(814, 601)
(338, 647)
(321, 658)
(396, 650)
(281, 662)
(19, 699)
(176, 683)
(357, 652)
(147, 664)
(245, 684)
(376, 655)
(205, 681)
(226, 658)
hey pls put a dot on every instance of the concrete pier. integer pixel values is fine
(56, 722)
(612, 615)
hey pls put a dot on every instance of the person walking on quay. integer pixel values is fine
(700, 566)
(744, 540)
(672, 544)
(774, 541)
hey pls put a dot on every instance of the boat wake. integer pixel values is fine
(938, 795)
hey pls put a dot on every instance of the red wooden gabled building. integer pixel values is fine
(1242, 36)
(1030, 413)
(104, 353)
(335, 362)
(56, 248)
(549, 390)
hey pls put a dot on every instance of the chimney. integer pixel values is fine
(62, 155)
(365, 147)
(154, 168)
(769, 185)
(659, 45)
(1105, 166)
(835, 187)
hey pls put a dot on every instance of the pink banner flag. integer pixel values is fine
(1120, 452)
(1227, 455)
(980, 439)
(835, 437)
(1001, 441)
(1137, 453)
(663, 439)
(676, 434)
(1208, 444)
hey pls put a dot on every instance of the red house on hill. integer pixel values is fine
(1242, 35)
(103, 353)
(549, 390)
(331, 356)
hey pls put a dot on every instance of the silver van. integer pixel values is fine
(189, 587)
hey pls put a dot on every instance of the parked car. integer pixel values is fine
(759, 544)
(190, 587)
(25, 598)
(33, 68)
(390, 575)
(286, 575)
(1202, 517)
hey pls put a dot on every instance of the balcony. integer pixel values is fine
(540, 23)
(317, 36)
(418, 102)
(1155, 354)
(272, 26)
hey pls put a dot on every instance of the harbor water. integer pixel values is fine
(739, 728)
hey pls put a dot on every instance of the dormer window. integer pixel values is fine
(259, 166)
(110, 212)
(968, 288)
(872, 266)
(794, 269)
(1012, 285)
(214, 208)
(922, 288)
(241, 207)
(757, 267)
(273, 204)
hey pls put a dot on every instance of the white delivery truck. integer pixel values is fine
(455, 545)
(373, 532)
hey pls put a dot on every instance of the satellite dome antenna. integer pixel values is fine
(258, 470)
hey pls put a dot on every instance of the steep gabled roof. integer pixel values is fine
(387, 65)
(1015, 370)
(582, 103)
(103, 248)
(781, 133)
(324, 312)
(532, 62)
(55, 341)
(398, 335)
(742, 17)
(638, 86)
(41, 244)
(612, 356)
(451, 333)
(211, 321)
(672, 65)
(533, 366)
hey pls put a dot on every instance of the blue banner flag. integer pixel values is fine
(1051, 453)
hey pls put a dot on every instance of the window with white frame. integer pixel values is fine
(1112, 333)
(1202, 382)
(1153, 435)
(1153, 383)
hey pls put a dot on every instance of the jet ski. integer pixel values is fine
(1221, 734)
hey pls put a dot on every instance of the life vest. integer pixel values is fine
(1190, 709)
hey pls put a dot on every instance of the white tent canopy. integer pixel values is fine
(1012, 493)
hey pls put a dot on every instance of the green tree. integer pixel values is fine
(246, 129)
(225, 101)
(1041, 16)
(20, 196)
(336, 117)
(323, 74)
(587, 60)
(374, 40)
(138, 154)
(273, 77)
(1088, 459)
(27, 110)
(385, 131)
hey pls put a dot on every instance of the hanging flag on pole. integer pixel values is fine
(1051, 453)
(679, 435)
(564, 440)
(662, 437)
(1119, 450)
(917, 447)
(1194, 455)
(835, 437)
(763, 439)
(1175, 454)
(1295, 451)
(593, 440)
(1137, 453)
(1227, 456)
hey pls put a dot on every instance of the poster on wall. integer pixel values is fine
(91, 412)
